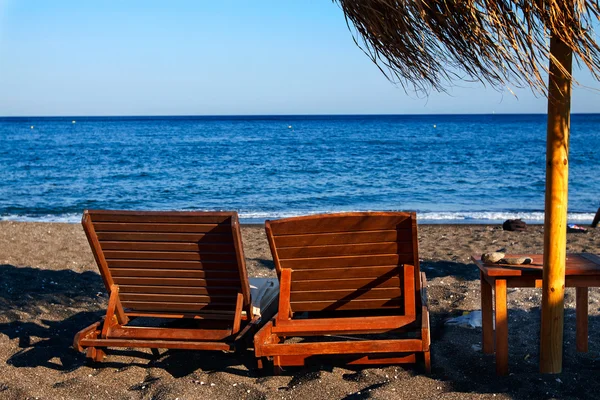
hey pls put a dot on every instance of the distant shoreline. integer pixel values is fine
(259, 116)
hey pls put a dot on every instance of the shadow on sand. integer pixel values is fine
(60, 296)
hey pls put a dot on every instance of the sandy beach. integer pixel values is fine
(50, 288)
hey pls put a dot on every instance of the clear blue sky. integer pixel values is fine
(210, 58)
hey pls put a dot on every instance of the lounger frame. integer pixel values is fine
(169, 255)
(327, 264)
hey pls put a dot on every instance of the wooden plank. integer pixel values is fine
(354, 359)
(158, 281)
(90, 234)
(582, 319)
(173, 264)
(408, 290)
(344, 250)
(487, 316)
(346, 222)
(156, 344)
(110, 310)
(285, 310)
(177, 298)
(166, 237)
(201, 316)
(168, 255)
(323, 239)
(337, 284)
(175, 273)
(237, 320)
(181, 307)
(168, 246)
(241, 262)
(360, 294)
(138, 332)
(347, 347)
(354, 325)
(160, 217)
(210, 290)
(167, 228)
(346, 261)
(330, 305)
(375, 271)
(501, 328)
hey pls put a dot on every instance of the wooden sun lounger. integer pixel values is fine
(182, 271)
(350, 287)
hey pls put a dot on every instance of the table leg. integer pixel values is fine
(501, 328)
(582, 319)
(487, 316)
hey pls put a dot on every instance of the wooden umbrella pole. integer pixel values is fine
(555, 223)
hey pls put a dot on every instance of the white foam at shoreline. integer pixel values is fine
(423, 217)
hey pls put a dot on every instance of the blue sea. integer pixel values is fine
(448, 168)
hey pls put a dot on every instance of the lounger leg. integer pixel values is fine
(95, 354)
(582, 319)
(486, 316)
(277, 369)
(155, 352)
(427, 361)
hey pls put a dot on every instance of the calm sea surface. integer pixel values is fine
(449, 168)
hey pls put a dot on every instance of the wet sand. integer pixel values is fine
(50, 288)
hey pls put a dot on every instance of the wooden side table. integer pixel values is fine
(581, 271)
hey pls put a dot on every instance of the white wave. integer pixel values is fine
(534, 216)
(65, 218)
(424, 217)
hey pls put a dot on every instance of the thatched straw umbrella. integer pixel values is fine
(429, 44)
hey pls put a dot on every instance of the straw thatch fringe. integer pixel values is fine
(426, 44)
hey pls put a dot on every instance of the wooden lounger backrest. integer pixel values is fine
(170, 263)
(348, 261)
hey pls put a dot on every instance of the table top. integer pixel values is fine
(577, 264)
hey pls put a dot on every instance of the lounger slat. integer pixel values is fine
(169, 246)
(174, 273)
(323, 239)
(191, 282)
(157, 217)
(202, 238)
(346, 261)
(334, 284)
(339, 305)
(374, 271)
(173, 264)
(168, 255)
(344, 250)
(210, 290)
(333, 223)
(180, 307)
(353, 294)
(166, 228)
(175, 298)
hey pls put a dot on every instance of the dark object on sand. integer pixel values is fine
(185, 268)
(596, 218)
(514, 225)
(345, 275)
(575, 229)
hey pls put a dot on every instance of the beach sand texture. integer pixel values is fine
(50, 289)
